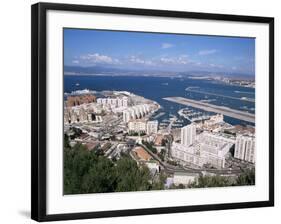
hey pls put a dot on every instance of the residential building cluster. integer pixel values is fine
(201, 149)
(211, 148)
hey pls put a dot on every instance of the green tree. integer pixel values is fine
(246, 178)
(150, 146)
(211, 181)
(130, 177)
(66, 141)
(90, 172)
(159, 184)
(100, 177)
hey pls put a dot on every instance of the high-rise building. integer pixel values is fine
(125, 102)
(119, 102)
(135, 112)
(151, 127)
(188, 134)
(126, 116)
(245, 148)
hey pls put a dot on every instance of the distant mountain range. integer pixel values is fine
(99, 70)
(89, 70)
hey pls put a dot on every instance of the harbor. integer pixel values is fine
(213, 108)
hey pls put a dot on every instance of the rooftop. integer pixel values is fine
(142, 154)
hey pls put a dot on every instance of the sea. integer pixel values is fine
(157, 88)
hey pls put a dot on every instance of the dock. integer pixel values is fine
(240, 115)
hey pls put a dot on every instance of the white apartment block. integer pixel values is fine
(126, 116)
(206, 149)
(152, 127)
(188, 134)
(113, 102)
(80, 114)
(245, 148)
(184, 178)
(197, 155)
(136, 112)
(216, 142)
(187, 154)
(137, 126)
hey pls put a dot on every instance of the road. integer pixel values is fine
(167, 167)
(214, 108)
(170, 169)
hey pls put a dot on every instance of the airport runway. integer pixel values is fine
(214, 108)
(214, 94)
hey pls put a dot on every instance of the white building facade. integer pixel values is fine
(206, 149)
(188, 134)
(151, 127)
(136, 112)
(82, 114)
(245, 148)
(137, 126)
(113, 102)
(184, 178)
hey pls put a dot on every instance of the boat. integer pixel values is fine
(165, 121)
(77, 84)
(159, 115)
(176, 125)
(163, 124)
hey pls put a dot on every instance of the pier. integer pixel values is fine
(214, 108)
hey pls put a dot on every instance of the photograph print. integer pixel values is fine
(157, 111)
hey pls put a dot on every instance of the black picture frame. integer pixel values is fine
(39, 122)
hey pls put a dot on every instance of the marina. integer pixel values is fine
(193, 116)
(214, 108)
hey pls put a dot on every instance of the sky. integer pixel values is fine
(161, 52)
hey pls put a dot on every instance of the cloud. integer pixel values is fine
(166, 45)
(97, 58)
(75, 61)
(207, 52)
(159, 61)
(167, 60)
(216, 66)
(182, 61)
(179, 60)
(136, 60)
